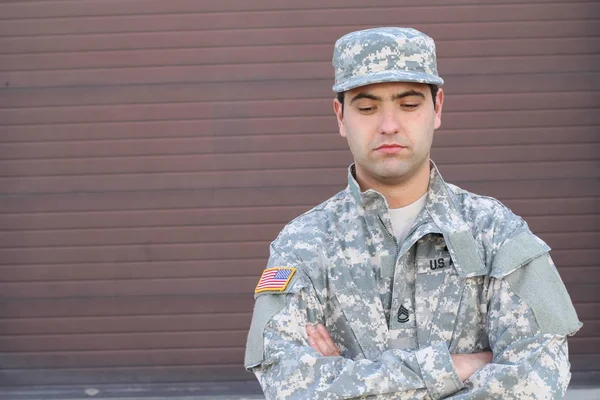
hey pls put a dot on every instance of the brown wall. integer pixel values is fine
(150, 151)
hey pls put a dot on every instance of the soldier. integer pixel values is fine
(403, 286)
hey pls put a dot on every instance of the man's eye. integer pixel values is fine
(366, 109)
(410, 106)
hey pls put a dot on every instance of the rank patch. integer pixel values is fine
(275, 279)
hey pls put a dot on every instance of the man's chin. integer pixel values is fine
(398, 172)
(394, 176)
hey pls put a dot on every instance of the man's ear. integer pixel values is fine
(338, 110)
(439, 104)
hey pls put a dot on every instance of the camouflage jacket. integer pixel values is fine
(480, 281)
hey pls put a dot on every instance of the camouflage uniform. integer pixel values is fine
(469, 277)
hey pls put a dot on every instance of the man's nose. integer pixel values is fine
(389, 124)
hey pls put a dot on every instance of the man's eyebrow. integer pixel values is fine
(363, 95)
(407, 94)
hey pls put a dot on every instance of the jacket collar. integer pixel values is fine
(443, 207)
(372, 200)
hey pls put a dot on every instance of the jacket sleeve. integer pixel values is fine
(288, 368)
(529, 315)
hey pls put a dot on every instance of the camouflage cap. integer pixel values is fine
(384, 55)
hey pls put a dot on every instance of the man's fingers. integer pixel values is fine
(311, 332)
(316, 340)
(320, 341)
(467, 364)
(489, 356)
(332, 349)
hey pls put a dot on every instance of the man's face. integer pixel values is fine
(389, 128)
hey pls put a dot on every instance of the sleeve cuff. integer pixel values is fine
(437, 370)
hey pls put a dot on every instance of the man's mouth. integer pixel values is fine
(390, 148)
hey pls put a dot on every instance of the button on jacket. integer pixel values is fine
(469, 277)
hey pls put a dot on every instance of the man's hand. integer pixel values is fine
(320, 341)
(467, 364)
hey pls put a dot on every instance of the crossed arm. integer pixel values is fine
(527, 362)
(464, 364)
(528, 358)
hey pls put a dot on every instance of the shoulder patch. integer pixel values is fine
(516, 252)
(275, 279)
(540, 287)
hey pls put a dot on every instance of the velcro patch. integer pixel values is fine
(275, 279)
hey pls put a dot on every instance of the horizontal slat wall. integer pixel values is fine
(150, 151)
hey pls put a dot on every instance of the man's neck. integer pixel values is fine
(399, 194)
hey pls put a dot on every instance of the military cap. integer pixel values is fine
(384, 55)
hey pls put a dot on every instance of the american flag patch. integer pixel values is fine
(275, 279)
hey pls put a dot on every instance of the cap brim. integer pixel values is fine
(387, 76)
